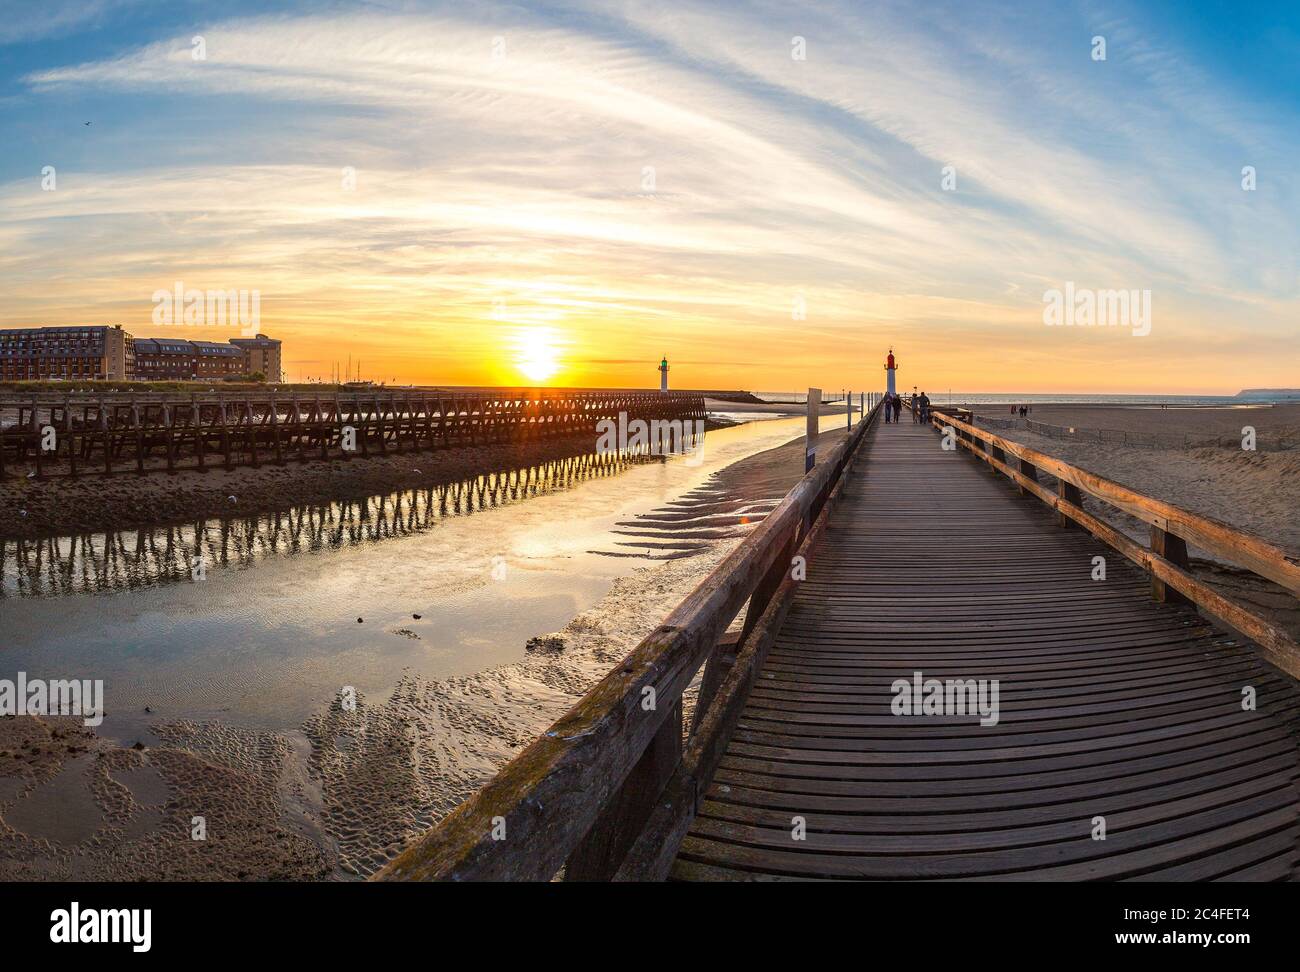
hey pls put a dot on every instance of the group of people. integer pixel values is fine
(893, 405)
(1024, 410)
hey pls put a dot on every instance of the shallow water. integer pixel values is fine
(268, 630)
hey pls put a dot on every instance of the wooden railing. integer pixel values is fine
(608, 790)
(1172, 528)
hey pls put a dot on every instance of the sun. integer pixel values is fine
(537, 353)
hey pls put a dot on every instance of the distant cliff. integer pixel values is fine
(1269, 393)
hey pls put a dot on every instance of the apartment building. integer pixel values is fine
(102, 353)
(170, 359)
(66, 353)
(262, 354)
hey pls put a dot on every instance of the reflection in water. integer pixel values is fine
(127, 560)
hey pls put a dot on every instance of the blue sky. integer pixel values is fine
(501, 201)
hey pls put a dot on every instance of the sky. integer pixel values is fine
(771, 194)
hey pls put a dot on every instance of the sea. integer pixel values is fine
(947, 397)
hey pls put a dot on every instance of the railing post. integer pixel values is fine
(601, 852)
(728, 647)
(1029, 471)
(810, 432)
(1070, 493)
(1172, 548)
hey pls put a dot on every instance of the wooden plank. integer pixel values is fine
(651, 857)
(1277, 647)
(1111, 705)
(1234, 545)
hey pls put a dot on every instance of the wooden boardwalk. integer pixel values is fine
(1110, 706)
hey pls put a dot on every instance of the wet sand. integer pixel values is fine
(774, 408)
(75, 807)
(342, 795)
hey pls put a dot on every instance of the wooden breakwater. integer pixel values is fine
(170, 433)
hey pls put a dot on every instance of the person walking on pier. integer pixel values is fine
(925, 407)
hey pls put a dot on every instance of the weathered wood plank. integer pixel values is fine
(1111, 705)
(1234, 545)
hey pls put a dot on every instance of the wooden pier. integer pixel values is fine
(170, 433)
(1135, 737)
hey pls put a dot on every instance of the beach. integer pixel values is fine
(775, 408)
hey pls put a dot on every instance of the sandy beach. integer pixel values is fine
(774, 408)
(340, 796)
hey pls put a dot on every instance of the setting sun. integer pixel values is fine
(537, 353)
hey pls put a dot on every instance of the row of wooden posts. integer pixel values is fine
(108, 435)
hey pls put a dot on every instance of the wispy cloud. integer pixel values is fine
(22, 21)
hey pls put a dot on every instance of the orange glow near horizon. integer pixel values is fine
(617, 339)
(537, 354)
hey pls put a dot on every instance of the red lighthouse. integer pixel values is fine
(890, 369)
